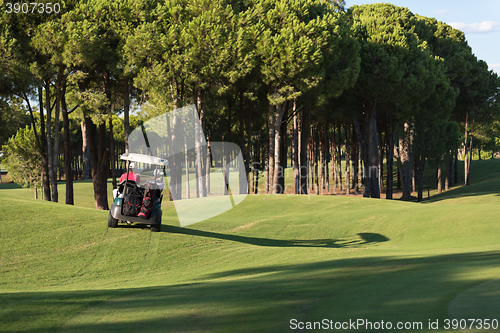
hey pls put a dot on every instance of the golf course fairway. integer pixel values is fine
(274, 263)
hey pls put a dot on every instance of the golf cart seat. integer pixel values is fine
(131, 177)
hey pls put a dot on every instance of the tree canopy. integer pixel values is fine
(309, 78)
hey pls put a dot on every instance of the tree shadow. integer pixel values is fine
(483, 182)
(259, 241)
(9, 186)
(369, 237)
(474, 190)
(393, 288)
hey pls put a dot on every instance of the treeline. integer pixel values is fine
(24, 160)
(305, 77)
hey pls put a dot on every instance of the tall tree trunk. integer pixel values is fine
(38, 139)
(355, 160)
(295, 150)
(256, 171)
(455, 168)
(270, 152)
(43, 145)
(126, 112)
(467, 150)
(170, 158)
(381, 146)
(55, 164)
(321, 167)
(347, 159)
(304, 163)
(52, 175)
(374, 157)
(362, 147)
(200, 150)
(208, 165)
(471, 155)
(283, 149)
(225, 154)
(225, 169)
(371, 182)
(310, 157)
(98, 163)
(339, 156)
(366, 157)
(67, 150)
(440, 180)
(255, 167)
(316, 158)
(398, 178)
(100, 179)
(419, 170)
(414, 176)
(198, 164)
(85, 152)
(450, 171)
(175, 160)
(112, 153)
(326, 147)
(333, 153)
(447, 180)
(405, 161)
(205, 153)
(242, 177)
(249, 148)
(277, 169)
(390, 161)
(186, 162)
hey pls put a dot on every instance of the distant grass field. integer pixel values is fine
(254, 268)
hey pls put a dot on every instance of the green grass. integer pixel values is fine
(253, 268)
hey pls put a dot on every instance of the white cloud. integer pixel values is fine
(483, 27)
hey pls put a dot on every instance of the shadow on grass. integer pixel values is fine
(369, 237)
(9, 186)
(485, 180)
(325, 243)
(374, 288)
(473, 190)
(133, 226)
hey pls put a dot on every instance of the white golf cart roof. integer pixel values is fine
(141, 158)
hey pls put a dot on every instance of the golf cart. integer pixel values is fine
(139, 195)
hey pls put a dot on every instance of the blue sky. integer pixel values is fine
(479, 20)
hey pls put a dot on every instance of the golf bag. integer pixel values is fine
(148, 205)
(132, 200)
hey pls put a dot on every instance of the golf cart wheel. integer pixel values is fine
(156, 227)
(112, 222)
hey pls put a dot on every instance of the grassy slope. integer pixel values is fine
(253, 268)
